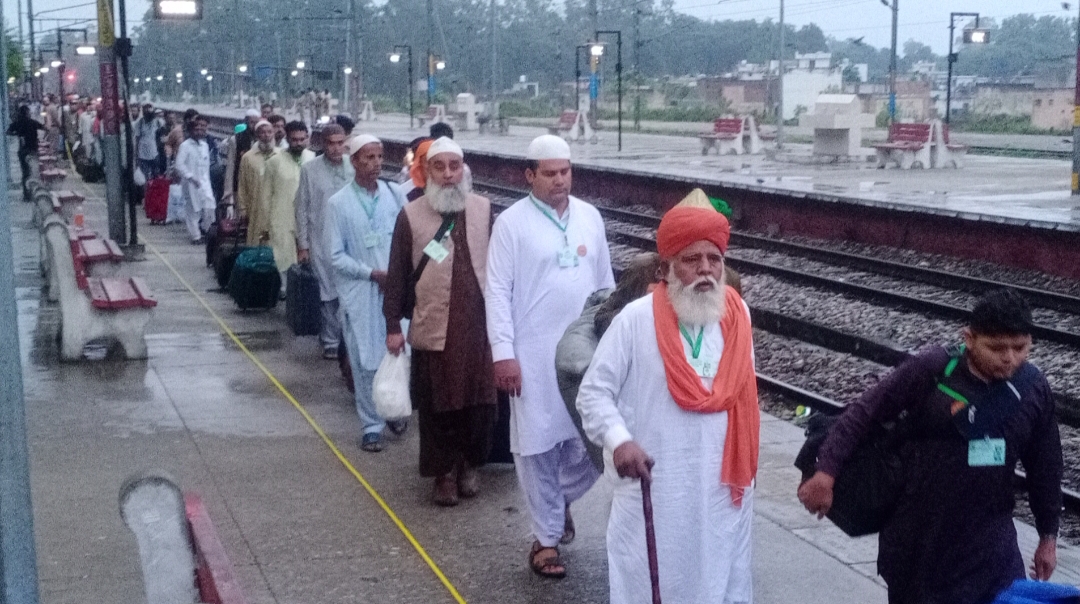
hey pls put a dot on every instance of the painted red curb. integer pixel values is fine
(214, 576)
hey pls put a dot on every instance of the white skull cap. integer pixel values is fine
(445, 145)
(252, 113)
(548, 146)
(355, 143)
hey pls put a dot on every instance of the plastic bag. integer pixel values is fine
(139, 177)
(390, 388)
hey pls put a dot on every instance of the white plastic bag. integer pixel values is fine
(391, 387)
(139, 178)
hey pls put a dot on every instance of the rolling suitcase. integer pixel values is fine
(157, 199)
(255, 282)
(302, 311)
(223, 230)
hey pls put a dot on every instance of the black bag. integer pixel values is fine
(255, 281)
(302, 304)
(224, 259)
(409, 302)
(868, 488)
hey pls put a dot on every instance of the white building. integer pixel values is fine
(808, 76)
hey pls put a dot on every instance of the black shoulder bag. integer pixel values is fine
(409, 302)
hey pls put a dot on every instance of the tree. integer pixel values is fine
(15, 67)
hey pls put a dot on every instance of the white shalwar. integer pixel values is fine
(703, 540)
(193, 165)
(531, 300)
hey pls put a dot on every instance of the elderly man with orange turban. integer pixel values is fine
(671, 396)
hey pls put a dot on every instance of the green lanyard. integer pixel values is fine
(374, 203)
(695, 345)
(559, 225)
(449, 229)
(948, 372)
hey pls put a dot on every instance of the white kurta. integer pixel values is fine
(703, 540)
(530, 302)
(319, 179)
(358, 245)
(193, 165)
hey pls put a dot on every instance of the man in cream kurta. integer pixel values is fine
(627, 405)
(319, 179)
(548, 253)
(252, 168)
(277, 195)
(360, 221)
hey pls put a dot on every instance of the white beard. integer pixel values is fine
(447, 200)
(694, 307)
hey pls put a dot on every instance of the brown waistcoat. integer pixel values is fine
(428, 328)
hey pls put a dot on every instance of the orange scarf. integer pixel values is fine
(734, 387)
(418, 170)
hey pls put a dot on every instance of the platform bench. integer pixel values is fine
(91, 308)
(434, 115)
(726, 136)
(566, 122)
(948, 153)
(53, 175)
(908, 144)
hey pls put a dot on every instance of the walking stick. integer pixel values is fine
(650, 539)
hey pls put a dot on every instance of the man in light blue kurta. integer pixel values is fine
(360, 222)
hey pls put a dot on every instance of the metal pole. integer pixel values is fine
(618, 74)
(110, 121)
(128, 186)
(1076, 120)
(494, 56)
(33, 54)
(780, 83)
(18, 559)
(637, 67)
(952, 59)
(430, 64)
(348, 58)
(60, 57)
(892, 64)
(412, 85)
(577, 79)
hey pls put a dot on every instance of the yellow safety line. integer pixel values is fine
(318, 430)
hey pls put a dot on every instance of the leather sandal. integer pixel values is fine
(446, 490)
(548, 566)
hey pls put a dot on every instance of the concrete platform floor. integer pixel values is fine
(1017, 190)
(295, 522)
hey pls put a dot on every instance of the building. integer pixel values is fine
(1052, 108)
(1013, 99)
(810, 75)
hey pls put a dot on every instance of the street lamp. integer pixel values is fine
(179, 75)
(440, 65)
(293, 73)
(160, 78)
(204, 71)
(242, 68)
(300, 64)
(395, 57)
(971, 36)
(85, 50)
(56, 63)
(618, 66)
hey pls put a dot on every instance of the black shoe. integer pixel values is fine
(398, 427)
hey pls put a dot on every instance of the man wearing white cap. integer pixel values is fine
(439, 259)
(319, 179)
(277, 195)
(193, 167)
(252, 167)
(548, 253)
(241, 143)
(359, 225)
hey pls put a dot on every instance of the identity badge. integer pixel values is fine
(567, 257)
(436, 251)
(371, 239)
(986, 452)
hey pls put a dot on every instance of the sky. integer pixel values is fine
(926, 21)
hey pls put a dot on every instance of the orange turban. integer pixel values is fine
(418, 170)
(684, 225)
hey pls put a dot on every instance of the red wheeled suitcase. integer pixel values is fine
(157, 199)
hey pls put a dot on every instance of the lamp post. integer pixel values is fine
(242, 69)
(892, 60)
(347, 71)
(981, 39)
(59, 62)
(395, 57)
(618, 69)
(577, 75)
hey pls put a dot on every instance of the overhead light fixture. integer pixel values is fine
(242, 68)
(209, 78)
(300, 64)
(347, 70)
(294, 72)
(440, 64)
(596, 50)
(160, 77)
(179, 75)
(85, 50)
(44, 69)
(56, 63)
(976, 36)
(204, 71)
(395, 57)
(178, 9)
(136, 80)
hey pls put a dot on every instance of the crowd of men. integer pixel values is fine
(668, 392)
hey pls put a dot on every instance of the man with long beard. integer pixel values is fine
(548, 253)
(671, 396)
(439, 258)
(252, 168)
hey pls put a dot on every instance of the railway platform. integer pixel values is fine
(236, 408)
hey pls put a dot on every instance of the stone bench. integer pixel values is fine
(92, 308)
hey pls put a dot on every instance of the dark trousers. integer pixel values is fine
(24, 165)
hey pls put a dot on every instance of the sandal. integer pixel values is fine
(398, 427)
(549, 567)
(568, 529)
(371, 443)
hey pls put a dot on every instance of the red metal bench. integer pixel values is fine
(907, 145)
(64, 202)
(567, 120)
(726, 136)
(215, 578)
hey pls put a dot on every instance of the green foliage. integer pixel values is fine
(15, 68)
(1021, 45)
(539, 107)
(998, 124)
(881, 120)
(669, 114)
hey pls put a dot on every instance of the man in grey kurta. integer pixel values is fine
(319, 179)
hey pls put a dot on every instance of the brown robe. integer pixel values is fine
(453, 390)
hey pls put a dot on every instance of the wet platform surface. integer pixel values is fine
(1035, 192)
(297, 525)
